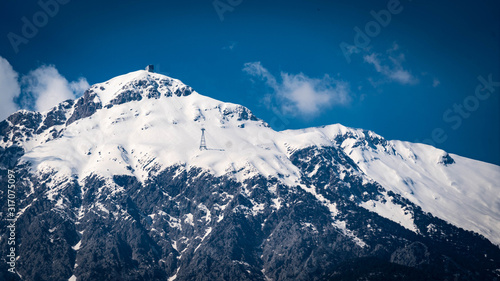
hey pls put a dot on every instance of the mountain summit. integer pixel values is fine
(114, 186)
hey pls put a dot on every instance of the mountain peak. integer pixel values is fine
(125, 158)
(136, 86)
(142, 123)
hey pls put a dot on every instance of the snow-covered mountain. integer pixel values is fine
(114, 186)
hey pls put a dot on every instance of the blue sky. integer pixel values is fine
(421, 70)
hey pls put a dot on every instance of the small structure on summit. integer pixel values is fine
(150, 68)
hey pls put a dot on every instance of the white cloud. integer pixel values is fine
(435, 83)
(78, 87)
(46, 88)
(231, 46)
(299, 94)
(394, 70)
(42, 89)
(402, 76)
(256, 69)
(9, 89)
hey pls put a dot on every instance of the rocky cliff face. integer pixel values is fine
(112, 186)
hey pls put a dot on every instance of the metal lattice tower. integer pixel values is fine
(203, 142)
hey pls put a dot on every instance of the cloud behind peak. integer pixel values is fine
(298, 94)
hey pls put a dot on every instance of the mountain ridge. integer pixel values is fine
(330, 135)
(128, 151)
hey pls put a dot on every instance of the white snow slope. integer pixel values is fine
(134, 137)
(464, 193)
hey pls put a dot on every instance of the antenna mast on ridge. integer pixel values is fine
(203, 143)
